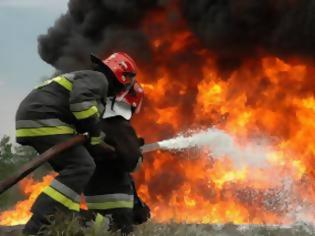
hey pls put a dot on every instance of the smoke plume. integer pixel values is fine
(234, 28)
(95, 26)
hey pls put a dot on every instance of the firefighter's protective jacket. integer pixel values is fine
(122, 136)
(66, 104)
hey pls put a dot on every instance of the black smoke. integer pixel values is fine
(232, 29)
(242, 28)
(96, 26)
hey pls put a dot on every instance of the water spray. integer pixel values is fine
(218, 142)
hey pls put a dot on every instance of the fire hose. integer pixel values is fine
(53, 152)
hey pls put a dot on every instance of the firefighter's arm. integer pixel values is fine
(124, 138)
(129, 152)
(88, 92)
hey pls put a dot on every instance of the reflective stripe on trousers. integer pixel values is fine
(110, 201)
(64, 195)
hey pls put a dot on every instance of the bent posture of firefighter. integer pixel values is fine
(63, 106)
(111, 190)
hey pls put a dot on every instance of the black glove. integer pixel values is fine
(141, 141)
(141, 211)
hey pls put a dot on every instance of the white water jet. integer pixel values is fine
(220, 144)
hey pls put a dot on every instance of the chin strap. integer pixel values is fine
(113, 103)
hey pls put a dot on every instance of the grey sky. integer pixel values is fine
(21, 21)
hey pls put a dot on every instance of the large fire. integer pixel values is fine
(267, 97)
(264, 98)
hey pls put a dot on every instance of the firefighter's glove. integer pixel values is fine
(141, 211)
(141, 141)
(103, 150)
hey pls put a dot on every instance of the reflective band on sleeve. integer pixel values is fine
(96, 140)
(87, 113)
(67, 202)
(65, 190)
(61, 80)
(110, 205)
(44, 131)
(69, 76)
(64, 82)
(82, 106)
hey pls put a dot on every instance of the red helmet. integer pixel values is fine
(123, 67)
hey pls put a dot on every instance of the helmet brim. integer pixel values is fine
(96, 60)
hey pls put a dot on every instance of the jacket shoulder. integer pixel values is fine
(85, 73)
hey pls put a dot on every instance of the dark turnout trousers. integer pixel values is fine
(110, 193)
(110, 190)
(75, 168)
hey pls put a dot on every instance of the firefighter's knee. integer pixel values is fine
(86, 169)
(90, 168)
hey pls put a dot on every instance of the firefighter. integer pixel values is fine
(111, 191)
(55, 111)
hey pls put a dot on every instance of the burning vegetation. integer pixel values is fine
(245, 67)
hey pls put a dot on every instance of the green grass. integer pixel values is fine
(71, 227)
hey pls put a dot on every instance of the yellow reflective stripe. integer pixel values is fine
(63, 82)
(67, 202)
(44, 84)
(65, 190)
(110, 205)
(96, 140)
(43, 131)
(80, 115)
(82, 106)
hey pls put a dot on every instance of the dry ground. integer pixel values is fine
(72, 228)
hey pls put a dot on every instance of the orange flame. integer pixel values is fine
(269, 98)
(212, 191)
(21, 211)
